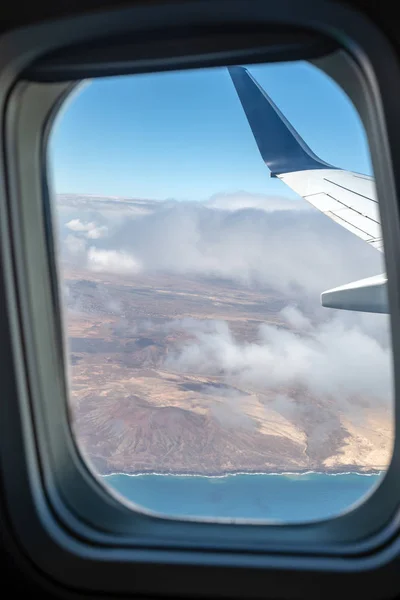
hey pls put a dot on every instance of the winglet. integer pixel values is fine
(281, 147)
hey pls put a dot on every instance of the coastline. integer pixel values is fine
(332, 472)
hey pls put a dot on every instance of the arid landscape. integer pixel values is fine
(176, 371)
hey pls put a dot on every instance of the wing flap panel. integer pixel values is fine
(347, 207)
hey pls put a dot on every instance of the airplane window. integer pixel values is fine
(221, 268)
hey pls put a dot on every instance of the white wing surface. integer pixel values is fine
(345, 197)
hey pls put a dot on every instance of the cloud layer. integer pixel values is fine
(342, 359)
(250, 239)
(330, 360)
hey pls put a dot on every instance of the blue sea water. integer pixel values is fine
(286, 498)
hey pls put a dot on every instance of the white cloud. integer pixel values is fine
(77, 225)
(290, 251)
(250, 239)
(329, 360)
(91, 230)
(112, 261)
(240, 200)
(97, 232)
(295, 318)
(74, 246)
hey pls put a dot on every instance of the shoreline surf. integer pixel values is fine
(236, 473)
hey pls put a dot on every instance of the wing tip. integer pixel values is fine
(281, 147)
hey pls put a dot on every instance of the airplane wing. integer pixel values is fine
(347, 198)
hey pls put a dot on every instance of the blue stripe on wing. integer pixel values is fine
(281, 147)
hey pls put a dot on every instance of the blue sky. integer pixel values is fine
(184, 135)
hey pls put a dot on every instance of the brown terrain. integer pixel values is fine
(134, 413)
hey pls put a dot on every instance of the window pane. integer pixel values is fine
(196, 233)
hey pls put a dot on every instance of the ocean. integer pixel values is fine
(288, 498)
